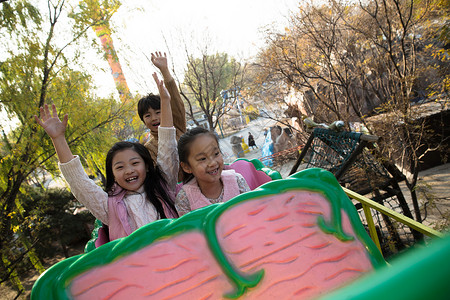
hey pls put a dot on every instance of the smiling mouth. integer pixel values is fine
(155, 124)
(131, 179)
(214, 172)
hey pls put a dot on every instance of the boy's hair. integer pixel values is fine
(184, 145)
(149, 101)
(154, 184)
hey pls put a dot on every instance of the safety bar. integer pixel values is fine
(367, 204)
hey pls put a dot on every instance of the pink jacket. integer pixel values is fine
(197, 199)
(118, 216)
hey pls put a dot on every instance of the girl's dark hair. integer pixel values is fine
(184, 146)
(154, 184)
(149, 101)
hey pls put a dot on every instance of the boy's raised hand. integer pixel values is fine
(51, 122)
(159, 60)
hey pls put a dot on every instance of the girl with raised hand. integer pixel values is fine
(137, 191)
(204, 180)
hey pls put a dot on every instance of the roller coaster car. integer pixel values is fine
(299, 238)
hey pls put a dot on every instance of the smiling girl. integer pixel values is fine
(137, 191)
(204, 180)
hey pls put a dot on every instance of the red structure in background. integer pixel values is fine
(104, 35)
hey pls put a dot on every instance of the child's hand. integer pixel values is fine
(166, 117)
(52, 124)
(159, 60)
(163, 92)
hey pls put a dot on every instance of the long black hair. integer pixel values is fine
(184, 145)
(155, 185)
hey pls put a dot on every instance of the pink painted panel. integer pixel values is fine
(179, 267)
(280, 235)
(276, 233)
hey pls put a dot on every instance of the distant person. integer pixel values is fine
(236, 146)
(137, 191)
(267, 149)
(149, 106)
(244, 145)
(204, 180)
(251, 141)
(275, 132)
(283, 141)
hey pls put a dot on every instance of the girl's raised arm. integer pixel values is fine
(56, 131)
(166, 109)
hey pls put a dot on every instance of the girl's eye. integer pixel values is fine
(119, 168)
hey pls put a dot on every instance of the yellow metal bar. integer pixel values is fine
(389, 212)
(372, 229)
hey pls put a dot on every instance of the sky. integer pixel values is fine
(143, 26)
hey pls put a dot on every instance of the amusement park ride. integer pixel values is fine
(294, 238)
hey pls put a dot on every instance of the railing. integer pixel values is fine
(367, 204)
(281, 153)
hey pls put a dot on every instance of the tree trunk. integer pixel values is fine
(103, 34)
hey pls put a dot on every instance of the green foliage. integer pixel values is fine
(45, 224)
(51, 220)
(35, 72)
(209, 74)
(21, 12)
(94, 12)
(252, 112)
(205, 78)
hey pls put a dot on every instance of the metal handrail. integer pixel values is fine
(367, 204)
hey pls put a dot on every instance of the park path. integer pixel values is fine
(434, 196)
(256, 127)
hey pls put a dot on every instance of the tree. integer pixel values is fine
(205, 78)
(98, 16)
(318, 57)
(352, 60)
(401, 32)
(36, 71)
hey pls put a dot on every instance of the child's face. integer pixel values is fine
(152, 119)
(129, 169)
(205, 160)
